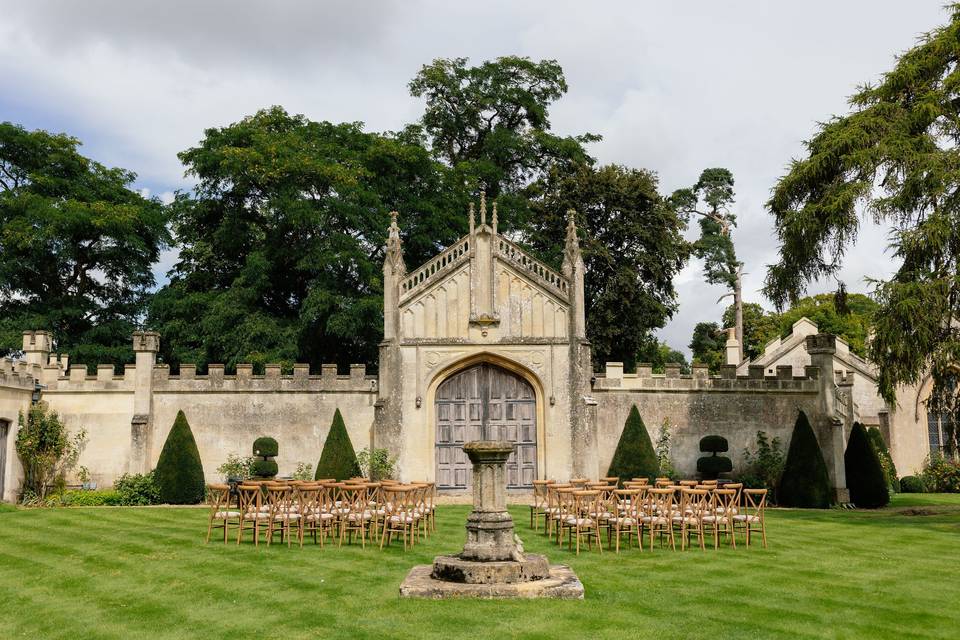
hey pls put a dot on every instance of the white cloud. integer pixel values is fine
(674, 87)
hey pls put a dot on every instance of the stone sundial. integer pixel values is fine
(492, 563)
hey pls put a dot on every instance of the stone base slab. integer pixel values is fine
(533, 566)
(562, 583)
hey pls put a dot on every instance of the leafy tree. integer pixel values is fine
(659, 354)
(894, 155)
(853, 324)
(491, 124)
(282, 242)
(886, 460)
(715, 247)
(46, 450)
(337, 460)
(805, 481)
(77, 245)
(632, 248)
(759, 327)
(634, 457)
(763, 467)
(708, 345)
(179, 472)
(865, 477)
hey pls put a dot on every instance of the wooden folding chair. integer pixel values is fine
(694, 503)
(252, 512)
(751, 515)
(539, 502)
(221, 516)
(580, 522)
(627, 519)
(658, 515)
(720, 519)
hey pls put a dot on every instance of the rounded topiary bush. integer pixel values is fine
(179, 472)
(805, 481)
(634, 457)
(264, 468)
(865, 477)
(710, 467)
(263, 465)
(338, 459)
(912, 484)
(265, 447)
(714, 444)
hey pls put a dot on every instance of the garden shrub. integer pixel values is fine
(46, 451)
(805, 482)
(886, 460)
(337, 460)
(763, 467)
(235, 467)
(634, 457)
(263, 464)
(264, 468)
(941, 474)
(304, 471)
(136, 489)
(376, 464)
(265, 447)
(179, 472)
(664, 444)
(80, 498)
(912, 484)
(865, 477)
(710, 467)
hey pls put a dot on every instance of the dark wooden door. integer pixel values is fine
(485, 402)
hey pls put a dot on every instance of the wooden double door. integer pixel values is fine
(485, 402)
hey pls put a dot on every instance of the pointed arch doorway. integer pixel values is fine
(485, 402)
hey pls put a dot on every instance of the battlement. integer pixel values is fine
(106, 378)
(614, 379)
(271, 380)
(18, 374)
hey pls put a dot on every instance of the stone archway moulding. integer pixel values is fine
(504, 362)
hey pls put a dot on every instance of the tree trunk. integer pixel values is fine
(738, 308)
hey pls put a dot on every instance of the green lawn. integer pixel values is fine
(145, 573)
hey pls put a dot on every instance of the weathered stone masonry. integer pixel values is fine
(481, 304)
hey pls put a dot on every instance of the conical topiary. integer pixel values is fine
(805, 482)
(865, 477)
(634, 457)
(179, 472)
(886, 460)
(337, 460)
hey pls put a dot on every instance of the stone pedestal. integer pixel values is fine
(489, 525)
(492, 563)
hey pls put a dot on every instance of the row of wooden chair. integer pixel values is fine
(585, 511)
(353, 510)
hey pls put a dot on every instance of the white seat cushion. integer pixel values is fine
(226, 514)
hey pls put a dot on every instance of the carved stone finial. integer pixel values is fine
(483, 208)
(571, 251)
(471, 217)
(394, 250)
(493, 220)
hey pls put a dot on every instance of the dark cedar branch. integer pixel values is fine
(894, 156)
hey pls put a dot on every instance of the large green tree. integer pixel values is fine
(895, 156)
(282, 239)
(852, 323)
(710, 199)
(491, 124)
(77, 244)
(632, 245)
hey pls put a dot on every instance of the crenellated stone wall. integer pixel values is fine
(697, 404)
(128, 415)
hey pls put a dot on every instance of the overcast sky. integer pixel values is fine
(673, 87)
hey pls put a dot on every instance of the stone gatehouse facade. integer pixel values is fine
(481, 341)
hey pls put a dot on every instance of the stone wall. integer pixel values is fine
(16, 387)
(226, 412)
(735, 407)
